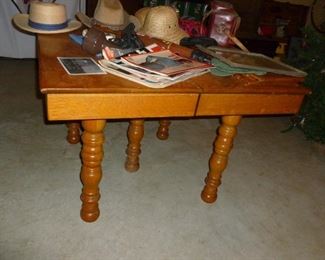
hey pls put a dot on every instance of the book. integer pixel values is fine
(164, 63)
(80, 66)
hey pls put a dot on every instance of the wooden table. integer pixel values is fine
(92, 100)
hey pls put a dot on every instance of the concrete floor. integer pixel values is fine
(271, 203)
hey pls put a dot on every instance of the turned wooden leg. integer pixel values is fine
(135, 135)
(163, 129)
(73, 136)
(219, 158)
(91, 172)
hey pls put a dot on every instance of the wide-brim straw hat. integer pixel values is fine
(47, 18)
(110, 14)
(161, 22)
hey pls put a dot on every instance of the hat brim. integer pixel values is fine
(173, 38)
(176, 36)
(127, 20)
(21, 20)
(89, 22)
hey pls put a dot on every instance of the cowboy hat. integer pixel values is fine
(161, 22)
(110, 14)
(45, 18)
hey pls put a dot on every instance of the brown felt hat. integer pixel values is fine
(161, 22)
(46, 18)
(110, 14)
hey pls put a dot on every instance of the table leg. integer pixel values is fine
(135, 135)
(163, 129)
(91, 172)
(219, 158)
(73, 136)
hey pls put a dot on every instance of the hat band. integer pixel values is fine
(47, 27)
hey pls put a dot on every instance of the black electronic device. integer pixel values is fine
(203, 41)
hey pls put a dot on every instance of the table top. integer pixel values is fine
(54, 79)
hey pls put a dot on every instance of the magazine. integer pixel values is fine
(152, 76)
(117, 63)
(146, 80)
(165, 63)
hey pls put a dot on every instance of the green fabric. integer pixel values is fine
(222, 69)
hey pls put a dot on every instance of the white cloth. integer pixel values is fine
(16, 44)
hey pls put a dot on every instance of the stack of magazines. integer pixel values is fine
(157, 69)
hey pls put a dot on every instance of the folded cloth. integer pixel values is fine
(223, 69)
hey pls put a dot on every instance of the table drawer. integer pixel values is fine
(248, 104)
(130, 105)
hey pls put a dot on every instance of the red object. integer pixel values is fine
(266, 30)
(223, 20)
(192, 27)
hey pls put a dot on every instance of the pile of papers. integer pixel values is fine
(157, 69)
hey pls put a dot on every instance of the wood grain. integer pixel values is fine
(135, 135)
(251, 104)
(163, 129)
(219, 158)
(73, 136)
(91, 171)
(101, 106)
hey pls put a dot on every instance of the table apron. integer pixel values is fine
(248, 104)
(128, 105)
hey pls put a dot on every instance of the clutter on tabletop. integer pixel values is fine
(156, 69)
(147, 79)
(163, 62)
(217, 20)
(162, 22)
(152, 66)
(165, 22)
(108, 46)
(95, 41)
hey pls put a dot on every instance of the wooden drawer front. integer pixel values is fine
(248, 104)
(104, 106)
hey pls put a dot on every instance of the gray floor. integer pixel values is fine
(271, 203)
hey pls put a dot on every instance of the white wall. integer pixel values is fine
(16, 44)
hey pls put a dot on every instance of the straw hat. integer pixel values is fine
(110, 13)
(141, 14)
(46, 18)
(162, 22)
